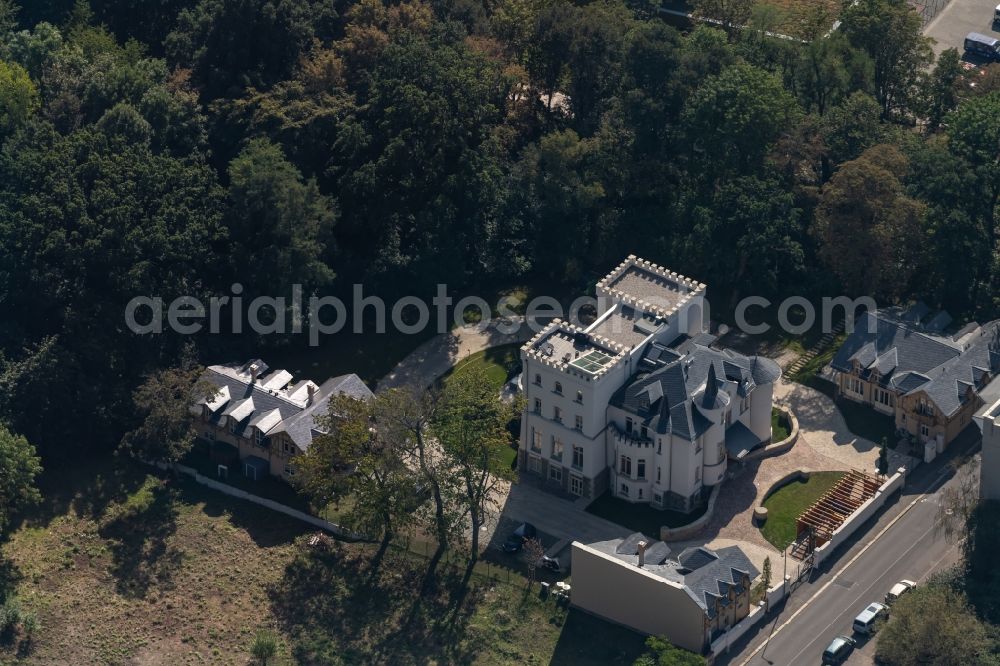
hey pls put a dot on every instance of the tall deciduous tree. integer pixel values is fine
(733, 119)
(870, 231)
(406, 415)
(889, 31)
(933, 625)
(18, 468)
(280, 223)
(166, 403)
(355, 460)
(940, 89)
(974, 134)
(18, 97)
(471, 426)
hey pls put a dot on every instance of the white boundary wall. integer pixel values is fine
(862, 514)
(262, 501)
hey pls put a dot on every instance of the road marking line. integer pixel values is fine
(833, 579)
(866, 591)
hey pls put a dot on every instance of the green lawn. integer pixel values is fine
(779, 426)
(640, 517)
(124, 566)
(498, 362)
(789, 501)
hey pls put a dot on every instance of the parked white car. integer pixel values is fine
(898, 590)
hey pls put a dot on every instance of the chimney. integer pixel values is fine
(312, 391)
(254, 371)
(642, 553)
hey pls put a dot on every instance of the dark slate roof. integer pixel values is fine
(264, 401)
(297, 417)
(950, 388)
(704, 573)
(670, 396)
(740, 440)
(893, 347)
(302, 427)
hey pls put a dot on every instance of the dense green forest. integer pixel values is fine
(175, 147)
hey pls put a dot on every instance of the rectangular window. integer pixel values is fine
(538, 406)
(557, 414)
(628, 426)
(555, 473)
(925, 431)
(641, 469)
(579, 422)
(658, 498)
(624, 490)
(289, 471)
(575, 485)
(210, 435)
(535, 465)
(644, 432)
(626, 466)
(659, 475)
(557, 449)
(536, 441)
(258, 436)
(232, 425)
(578, 457)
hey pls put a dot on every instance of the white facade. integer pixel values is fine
(583, 434)
(989, 470)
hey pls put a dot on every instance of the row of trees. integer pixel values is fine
(192, 144)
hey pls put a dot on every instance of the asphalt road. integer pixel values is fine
(958, 19)
(902, 543)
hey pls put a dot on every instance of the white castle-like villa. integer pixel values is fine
(639, 402)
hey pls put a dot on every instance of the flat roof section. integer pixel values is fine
(650, 288)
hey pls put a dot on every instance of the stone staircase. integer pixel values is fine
(815, 350)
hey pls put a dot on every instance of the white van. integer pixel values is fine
(864, 623)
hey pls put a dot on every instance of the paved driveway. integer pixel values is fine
(557, 516)
(957, 20)
(436, 356)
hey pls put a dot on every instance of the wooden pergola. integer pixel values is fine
(830, 511)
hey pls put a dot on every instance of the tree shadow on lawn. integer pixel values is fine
(139, 533)
(85, 488)
(326, 601)
(265, 527)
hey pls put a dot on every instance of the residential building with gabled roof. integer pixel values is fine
(260, 419)
(690, 597)
(927, 381)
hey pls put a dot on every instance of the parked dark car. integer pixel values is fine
(550, 563)
(517, 538)
(838, 650)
